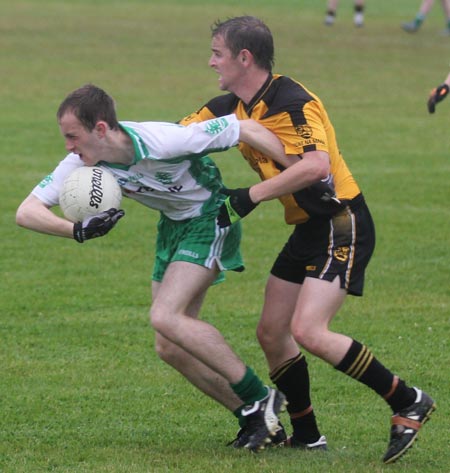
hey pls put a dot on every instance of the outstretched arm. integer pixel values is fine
(311, 169)
(35, 215)
(314, 166)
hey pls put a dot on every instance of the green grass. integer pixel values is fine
(81, 388)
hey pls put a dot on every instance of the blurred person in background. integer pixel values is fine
(425, 7)
(358, 16)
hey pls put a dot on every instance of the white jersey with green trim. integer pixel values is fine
(171, 171)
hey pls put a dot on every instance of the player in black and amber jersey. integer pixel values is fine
(301, 122)
(331, 243)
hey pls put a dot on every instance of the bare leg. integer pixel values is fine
(331, 12)
(416, 23)
(274, 328)
(425, 7)
(332, 5)
(317, 304)
(358, 16)
(197, 373)
(446, 7)
(182, 283)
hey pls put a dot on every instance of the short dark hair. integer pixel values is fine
(90, 104)
(247, 32)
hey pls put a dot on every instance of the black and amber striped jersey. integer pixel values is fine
(301, 122)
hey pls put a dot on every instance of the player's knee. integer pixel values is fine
(273, 334)
(159, 320)
(265, 336)
(308, 338)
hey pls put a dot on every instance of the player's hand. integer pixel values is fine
(436, 95)
(237, 205)
(97, 225)
(324, 189)
(324, 192)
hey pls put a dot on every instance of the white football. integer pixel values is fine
(88, 191)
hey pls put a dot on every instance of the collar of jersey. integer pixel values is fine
(259, 95)
(140, 150)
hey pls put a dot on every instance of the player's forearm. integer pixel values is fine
(39, 218)
(261, 139)
(306, 172)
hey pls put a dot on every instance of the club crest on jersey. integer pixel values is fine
(46, 181)
(164, 177)
(214, 127)
(305, 131)
(341, 253)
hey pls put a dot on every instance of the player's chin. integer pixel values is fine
(87, 161)
(222, 85)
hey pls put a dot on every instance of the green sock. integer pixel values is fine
(250, 389)
(419, 19)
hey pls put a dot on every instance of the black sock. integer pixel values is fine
(360, 364)
(292, 378)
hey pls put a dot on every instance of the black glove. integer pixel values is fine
(97, 225)
(236, 206)
(324, 189)
(436, 95)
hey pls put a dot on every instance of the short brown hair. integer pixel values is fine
(247, 32)
(90, 104)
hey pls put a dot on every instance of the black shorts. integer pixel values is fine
(324, 248)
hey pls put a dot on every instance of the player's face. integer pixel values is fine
(78, 140)
(228, 67)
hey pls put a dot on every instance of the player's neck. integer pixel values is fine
(119, 147)
(251, 85)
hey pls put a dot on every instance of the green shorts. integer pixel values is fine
(199, 241)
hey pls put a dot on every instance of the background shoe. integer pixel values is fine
(410, 27)
(406, 425)
(329, 20)
(358, 19)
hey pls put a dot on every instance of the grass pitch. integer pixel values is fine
(81, 388)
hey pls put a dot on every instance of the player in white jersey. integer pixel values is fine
(164, 166)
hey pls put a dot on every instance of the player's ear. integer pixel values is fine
(101, 127)
(246, 57)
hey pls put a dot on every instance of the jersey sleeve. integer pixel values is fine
(217, 134)
(308, 134)
(49, 188)
(168, 141)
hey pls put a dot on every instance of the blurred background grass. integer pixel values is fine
(81, 388)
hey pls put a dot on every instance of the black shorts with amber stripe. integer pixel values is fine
(326, 248)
